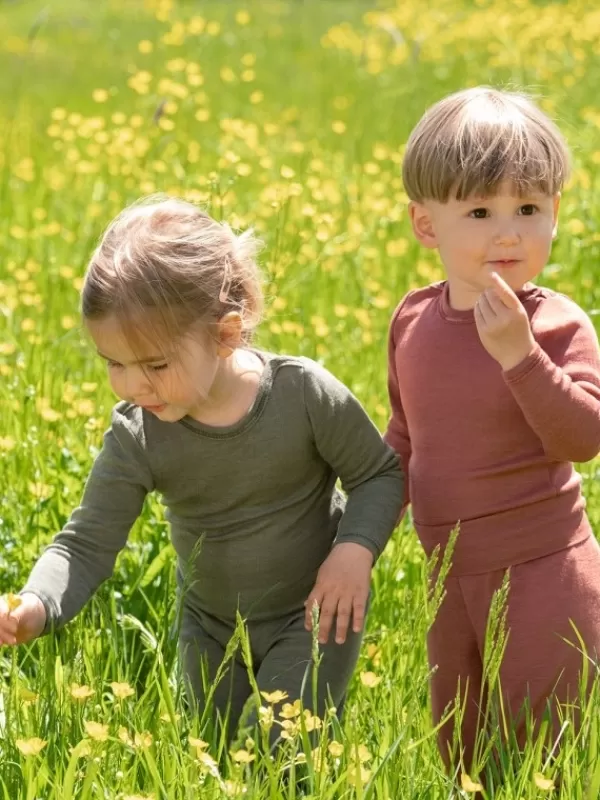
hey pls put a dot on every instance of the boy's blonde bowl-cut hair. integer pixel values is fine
(470, 142)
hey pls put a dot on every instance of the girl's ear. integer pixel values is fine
(229, 333)
(422, 225)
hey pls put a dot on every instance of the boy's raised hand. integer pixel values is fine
(341, 590)
(22, 618)
(503, 324)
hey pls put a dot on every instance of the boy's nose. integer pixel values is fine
(507, 235)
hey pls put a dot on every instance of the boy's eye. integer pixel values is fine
(528, 210)
(479, 213)
(113, 364)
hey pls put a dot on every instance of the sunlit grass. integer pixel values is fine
(290, 118)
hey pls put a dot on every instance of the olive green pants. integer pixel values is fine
(281, 652)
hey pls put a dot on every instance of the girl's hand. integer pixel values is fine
(22, 618)
(503, 324)
(342, 590)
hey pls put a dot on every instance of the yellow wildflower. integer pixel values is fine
(290, 710)
(13, 601)
(121, 690)
(274, 697)
(95, 730)
(336, 748)
(545, 784)
(243, 757)
(468, 784)
(143, 740)
(31, 747)
(369, 679)
(81, 693)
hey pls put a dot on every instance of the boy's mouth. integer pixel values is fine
(505, 262)
(155, 409)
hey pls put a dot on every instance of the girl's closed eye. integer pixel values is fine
(157, 367)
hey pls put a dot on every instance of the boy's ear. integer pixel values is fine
(229, 333)
(422, 226)
(556, 208)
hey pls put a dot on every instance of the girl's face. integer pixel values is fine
(170, 380)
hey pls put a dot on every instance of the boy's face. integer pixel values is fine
(503, 233)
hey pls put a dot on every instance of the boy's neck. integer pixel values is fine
(464, 297)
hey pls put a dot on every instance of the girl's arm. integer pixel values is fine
(371, 476)
(367, 467)
(83, 554)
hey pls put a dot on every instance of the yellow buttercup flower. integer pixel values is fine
(469, 785)
(96, 730)
(545, 784)
(369, 679)
(274, 697)
(143, 740)
(243, 757)
(78, 692)
(13, 601)
(31, 747)
(290, 710)
(335, 748)
(122, 690)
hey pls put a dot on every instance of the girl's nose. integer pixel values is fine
(136, 383)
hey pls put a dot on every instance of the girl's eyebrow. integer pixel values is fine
(147, 360)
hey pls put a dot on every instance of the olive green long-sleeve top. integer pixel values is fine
(253, 507)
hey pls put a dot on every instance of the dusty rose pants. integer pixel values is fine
(538, 665)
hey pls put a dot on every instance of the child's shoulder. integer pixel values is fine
(305, 374)
(127, 423)
(296, 368)
(554, 311)
(416, 301)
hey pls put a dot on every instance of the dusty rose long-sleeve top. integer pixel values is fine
(493, 450)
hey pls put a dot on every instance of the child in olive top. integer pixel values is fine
(245, 448)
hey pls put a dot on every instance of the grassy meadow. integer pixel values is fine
(289, 117)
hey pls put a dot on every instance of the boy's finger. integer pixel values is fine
(496, 303)
(504, 292)
(485, 310)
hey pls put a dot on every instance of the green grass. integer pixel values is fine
(294, 124)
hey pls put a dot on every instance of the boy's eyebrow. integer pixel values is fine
(147, 360)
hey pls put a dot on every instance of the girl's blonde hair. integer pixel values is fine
(471, 141)
(165, 262)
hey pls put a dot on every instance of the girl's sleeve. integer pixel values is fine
(367, 467)
(83, 554)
